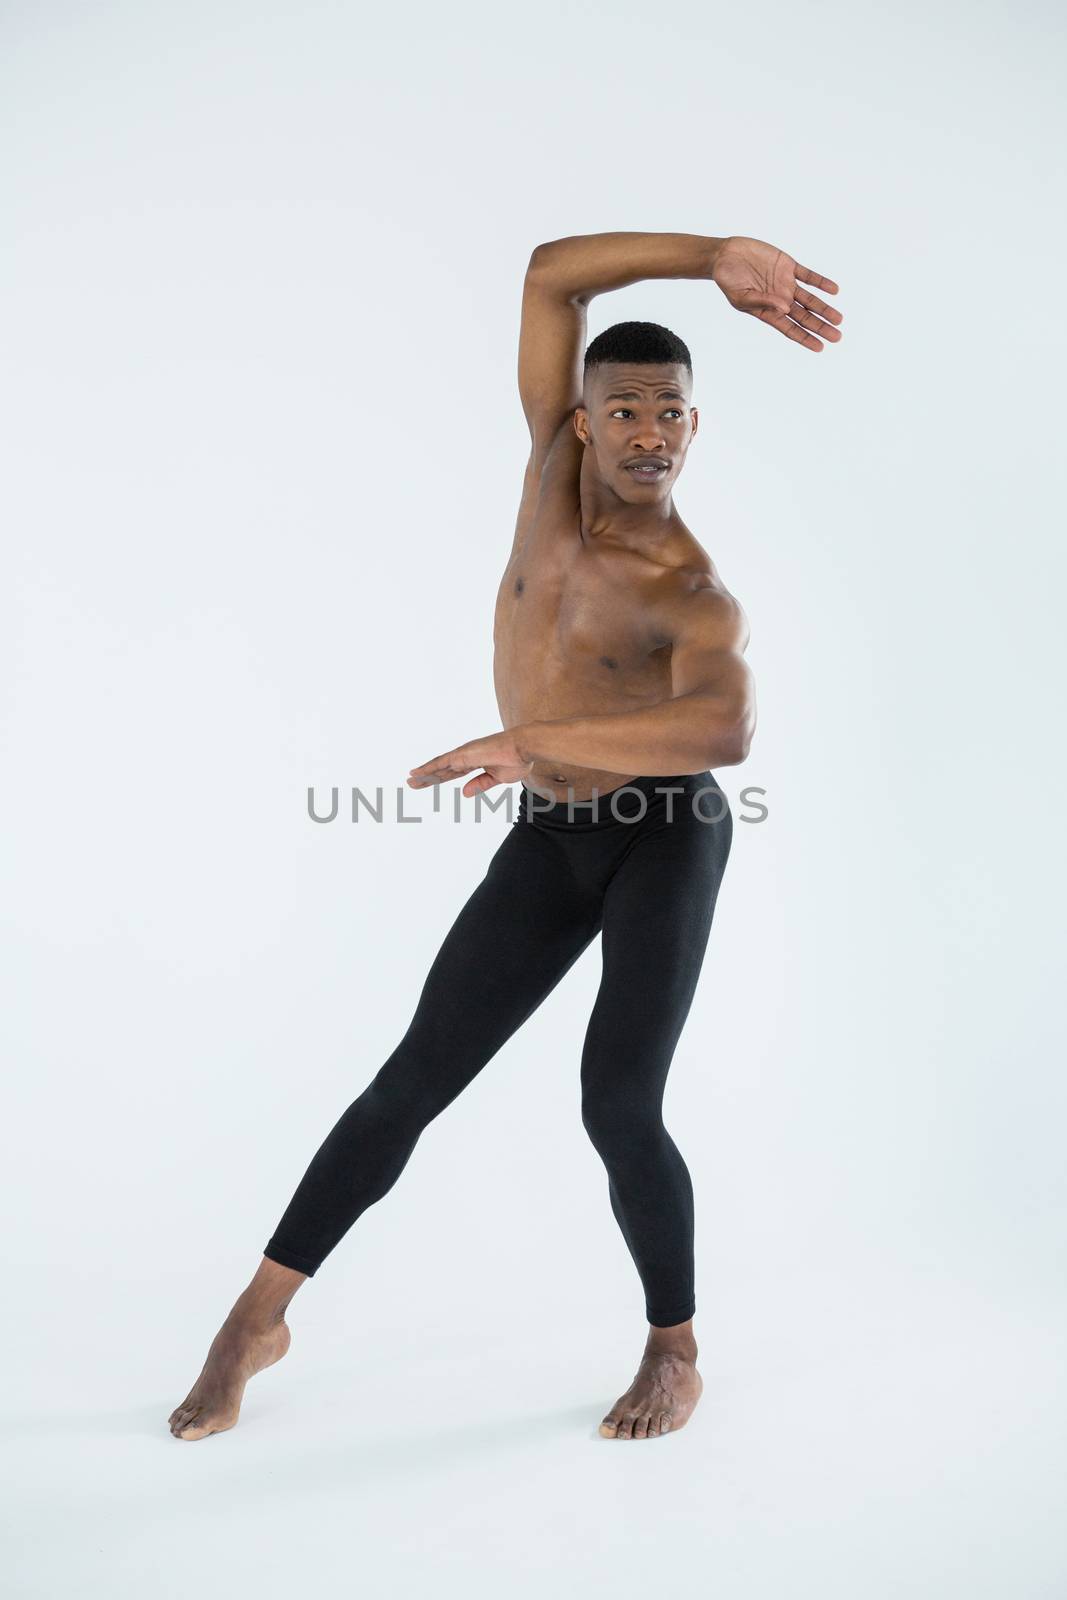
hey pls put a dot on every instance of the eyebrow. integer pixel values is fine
(664, 394)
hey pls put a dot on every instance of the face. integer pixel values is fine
(638, 421)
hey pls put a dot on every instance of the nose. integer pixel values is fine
(647, 437)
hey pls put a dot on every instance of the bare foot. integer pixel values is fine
(255, 1335)
(664, 1392)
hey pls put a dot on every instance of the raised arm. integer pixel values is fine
(552, 340)
(563, 275)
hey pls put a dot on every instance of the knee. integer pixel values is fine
(404, 1093)
(619, 1125)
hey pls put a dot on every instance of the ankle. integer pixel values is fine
(264, 1302)
(258, 1307)
(678, 1341)
(248, 1319)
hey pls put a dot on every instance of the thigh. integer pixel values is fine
(657, 915)
(519, 932)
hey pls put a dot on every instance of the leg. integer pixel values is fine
(657, 916)
(522, 928)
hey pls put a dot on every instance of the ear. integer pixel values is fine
(581, 424)
(694, 417)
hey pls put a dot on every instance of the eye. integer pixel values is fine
(673, 410)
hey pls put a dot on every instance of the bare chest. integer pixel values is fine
(575, 631)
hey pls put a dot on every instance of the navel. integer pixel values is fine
(520, 585)
(608, 661)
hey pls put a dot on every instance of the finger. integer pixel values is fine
(814, 324)
(479, 784)
(777, 319)
(427, 767)
(432, 778)
(450, 760)
(805, 274)
(813, 303)
(437, 771)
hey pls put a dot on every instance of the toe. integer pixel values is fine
(641, 1428)
(625, 1429)
(194, 1427)
(664, 1422)
(609, 1427)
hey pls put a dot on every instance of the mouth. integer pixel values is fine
(647, 471)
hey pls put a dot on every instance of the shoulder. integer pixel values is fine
(695, 606)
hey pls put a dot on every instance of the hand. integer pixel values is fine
(498, 755)
(757, 278)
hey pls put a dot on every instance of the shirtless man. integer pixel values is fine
(621, 682)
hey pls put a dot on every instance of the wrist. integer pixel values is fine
(526, 736)
(713, 249)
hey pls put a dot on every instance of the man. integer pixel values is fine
(621, 682)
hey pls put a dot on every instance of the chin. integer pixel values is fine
(642, 497)
(645, 493)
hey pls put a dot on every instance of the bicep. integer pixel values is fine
(707, 649)
(722, 675)
(552, 337)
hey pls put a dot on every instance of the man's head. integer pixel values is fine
(635, 411)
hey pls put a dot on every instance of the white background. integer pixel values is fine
(261, 288)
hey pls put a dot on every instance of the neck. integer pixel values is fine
(605, 515)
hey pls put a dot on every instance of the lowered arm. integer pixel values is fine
(708, 720)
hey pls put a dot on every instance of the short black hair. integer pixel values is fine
(639, 343)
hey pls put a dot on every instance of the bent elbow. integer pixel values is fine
(552, 271)
(540, 255)
(731, 746)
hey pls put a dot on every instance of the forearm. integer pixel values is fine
(593, 263)
(686, 734)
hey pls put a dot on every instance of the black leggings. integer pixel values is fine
(642, 867)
